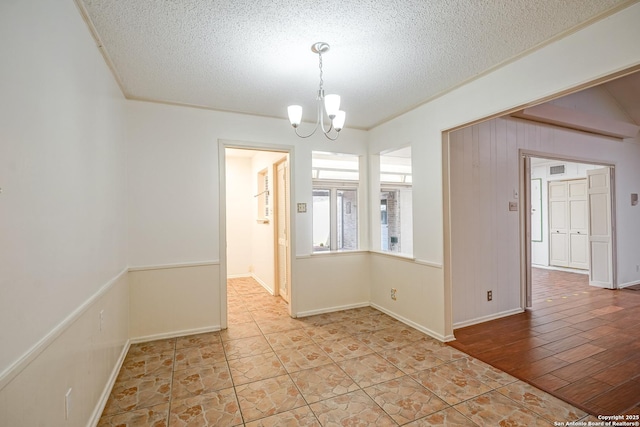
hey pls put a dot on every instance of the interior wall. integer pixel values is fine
(241, 213)
(540, 250)
(62, 250)
(174, 301)
(485, 233)
(263, 237)
(174, 198)
(603, 48)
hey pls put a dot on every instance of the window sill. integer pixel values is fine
(394, 255)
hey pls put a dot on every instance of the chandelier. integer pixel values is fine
(327, 105)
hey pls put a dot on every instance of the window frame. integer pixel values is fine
(333, 187)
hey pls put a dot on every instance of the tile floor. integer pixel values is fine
(578, 342)
(356, 367)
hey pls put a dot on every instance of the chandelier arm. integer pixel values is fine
(319, 48)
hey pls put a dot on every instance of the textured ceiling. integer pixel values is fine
(254, 57)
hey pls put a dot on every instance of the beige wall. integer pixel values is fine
(173, 301)
(603, 48)
(241, 214)
(62, 233)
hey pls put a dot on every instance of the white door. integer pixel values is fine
(282, 233)
(558, 227)
(600, 228)
(578, 224)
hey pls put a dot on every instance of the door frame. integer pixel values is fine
(525, 219)
(287, 220)
(222, 216)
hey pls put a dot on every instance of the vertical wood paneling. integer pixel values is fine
(485, 234)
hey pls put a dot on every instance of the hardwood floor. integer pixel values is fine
(579, 343)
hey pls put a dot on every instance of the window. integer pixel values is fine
(396, 202)
(335, 201)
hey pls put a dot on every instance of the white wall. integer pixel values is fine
(598, 50)
(485, 234)
(241, 214)
(262, 237)
(174, 199)
(62, 173)
(540, 250)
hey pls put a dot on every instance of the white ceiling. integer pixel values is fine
(386, 57)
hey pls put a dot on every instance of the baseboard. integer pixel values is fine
(487, 318)
(263, 284)
(432, 334)
(626, 285)
(102, 402)
(175, 334)
(331, 309)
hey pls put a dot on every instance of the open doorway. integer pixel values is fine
(568, 219)
(257, 252)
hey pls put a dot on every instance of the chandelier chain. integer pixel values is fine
(320, 62)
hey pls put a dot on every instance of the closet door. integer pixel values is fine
(600, 228)
(558, 227)
(578, 224)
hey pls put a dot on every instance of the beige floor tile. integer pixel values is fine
(282, 324)
(219, 408)
(388, 338)
(446, 418)
(139, 393)
(155, 416)
(302, 417)
(405, 400)
(369, 370)
(297, 359)
(450, 384)
(200, 380)
(139, 366)
(237, 317)
(255, 368)
(153, 347)
(293, 338)
(191, 357)
(494, 409)
(321, 333)
(323, 382)
(484, 373)
(411, 358)
(551, 408)
(352, 409)
(239, 331)
(345, 348)
(245, 347)
(362, 324)
(268, 397)
(199, 340)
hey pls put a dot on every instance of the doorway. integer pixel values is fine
(568, 219)
(255, 225)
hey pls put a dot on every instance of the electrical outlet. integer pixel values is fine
(637, 268)
(489, 295)
(67, 404)
(101, 320)
(393, 294)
